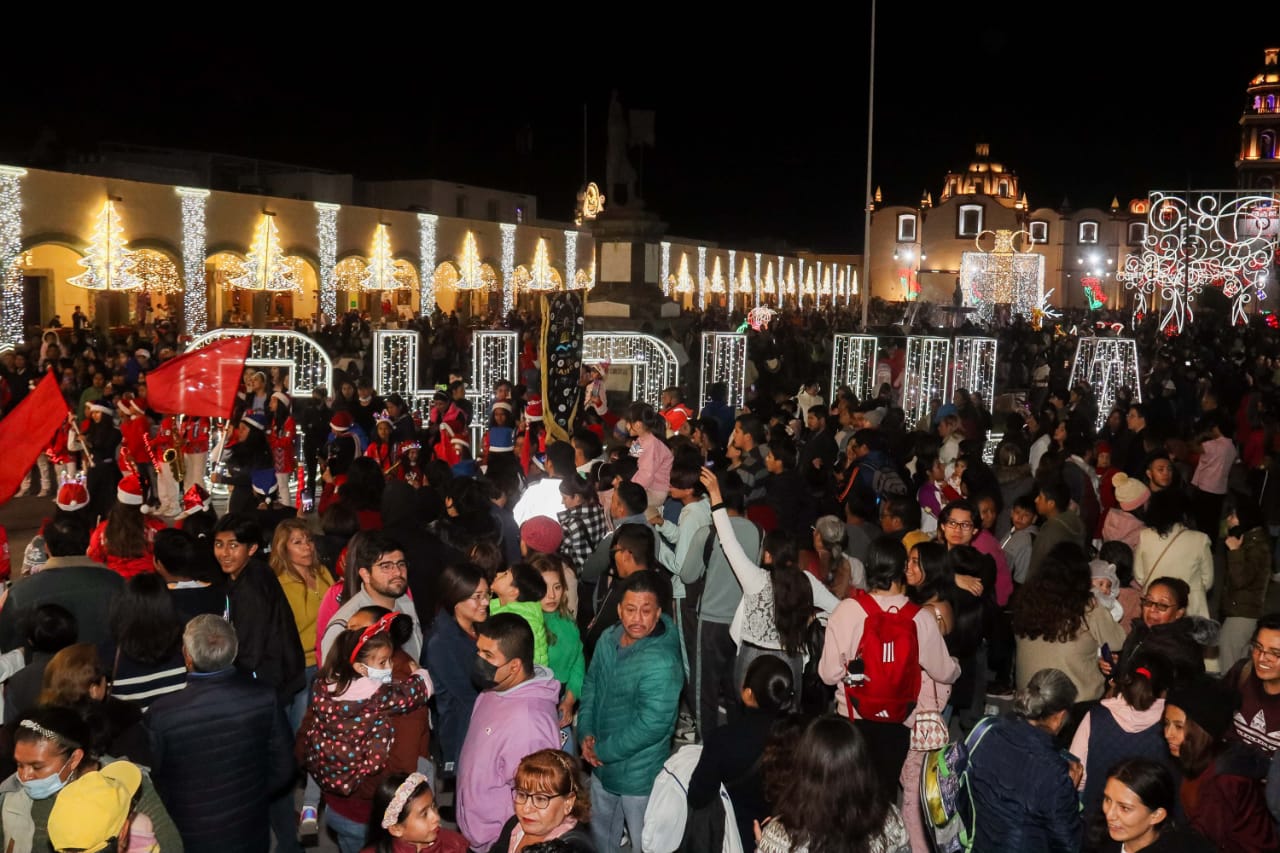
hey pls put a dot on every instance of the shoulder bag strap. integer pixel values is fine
(1152, 572)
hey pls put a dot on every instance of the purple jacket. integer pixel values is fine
(505, 727)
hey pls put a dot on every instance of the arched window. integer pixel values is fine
(1267, 145)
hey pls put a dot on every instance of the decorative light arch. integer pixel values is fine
(853, 363)
(1107, 365)
(925, 375)
(310, 365)
(724, 359)
(654, 365)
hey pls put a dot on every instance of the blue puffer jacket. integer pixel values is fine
(629, 704)
(1022, 794)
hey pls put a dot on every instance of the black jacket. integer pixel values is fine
(79, 584)
(269, 647)
(221, 750)
(577, 839)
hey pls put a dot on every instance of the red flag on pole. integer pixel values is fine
(25, 432)
(201, 382)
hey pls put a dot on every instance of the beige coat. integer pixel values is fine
(1188, 558)
(1077, 657)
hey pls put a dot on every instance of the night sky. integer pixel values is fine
(761, 132)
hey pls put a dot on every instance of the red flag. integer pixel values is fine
(25, 432)
(200, 382)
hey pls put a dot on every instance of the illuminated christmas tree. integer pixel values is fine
(380, 274)
(108, 264)
(266, 267)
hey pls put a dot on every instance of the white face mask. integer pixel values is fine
(382, 676)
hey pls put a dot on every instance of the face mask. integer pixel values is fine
(382, 676)
(484, 675)
(43, 789)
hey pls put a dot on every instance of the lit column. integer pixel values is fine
(702, 278)
(508, 268)
(781, 283)
(195, 309)
(733, 279)
(327, 236)
(10, 255)
(570, 258)
(851, 285)
(759, 257)
(800, 286)
(666, 267)
(427, 253)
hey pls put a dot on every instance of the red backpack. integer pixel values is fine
(890, 655)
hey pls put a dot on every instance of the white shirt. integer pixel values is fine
(541, 498)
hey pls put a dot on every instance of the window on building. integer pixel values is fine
(1039, 232)
(460, 206)
(1088, 233)
(491, 210)
(1004, 189)
(1267, 145)
(969, 223)
(1137, 233)
(907, 228)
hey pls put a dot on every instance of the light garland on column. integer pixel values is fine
(327, 237)
(759, 257)
(427, 252)
(665, 266)
(195, 308)
(570, 257)
(11, 308)
(732, 256)
(702, 278)
(508, 268)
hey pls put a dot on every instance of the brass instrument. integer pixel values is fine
(172, 457)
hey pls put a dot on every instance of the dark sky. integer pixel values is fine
(761, 132)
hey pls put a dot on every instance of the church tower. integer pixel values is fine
(1258, 166)
(983, 177)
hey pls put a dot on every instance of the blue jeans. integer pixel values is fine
(298, 707)
(350, 834)
(608, 814)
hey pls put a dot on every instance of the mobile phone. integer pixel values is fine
(1106, 654)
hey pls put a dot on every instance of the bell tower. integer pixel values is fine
(1258, 166)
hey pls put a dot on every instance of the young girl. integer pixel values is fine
(282, 437)
(382, 449)
(124, 540)
(348, 735)
(934, 493)
(500, 437)
(564, 650)
(411, 469)
(405, 819)
(520, 590)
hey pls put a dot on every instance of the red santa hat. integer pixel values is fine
(72, 496)
(533, 408)
(194, 500)
(130, 490)
(341, 422)
(129, 407)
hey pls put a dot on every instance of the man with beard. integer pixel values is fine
(384, 579)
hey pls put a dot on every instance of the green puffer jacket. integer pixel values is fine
(629, 704)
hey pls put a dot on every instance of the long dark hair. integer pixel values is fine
(831, 768)
(792, 595)
(144, 622)
(1155, 787)
(1052, 603)
(377, 838)
(126, 533)
(1166, 508)
(939, 580)
(364, 485)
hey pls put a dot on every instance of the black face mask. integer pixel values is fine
(483, 674)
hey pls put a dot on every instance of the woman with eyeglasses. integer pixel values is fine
(451, 647)
(1164, 629)
(552, 801)
(1058, 624)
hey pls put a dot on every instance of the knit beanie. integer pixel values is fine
(1206, 703)
(542, 534)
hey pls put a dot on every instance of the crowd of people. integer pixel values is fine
(687, 627)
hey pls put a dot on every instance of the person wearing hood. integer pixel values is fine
(1222, 793)
(628, 714)
(514, 715)
(1244, 594)
(1061, 522)
(786, 491)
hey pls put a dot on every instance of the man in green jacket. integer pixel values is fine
(628, 714)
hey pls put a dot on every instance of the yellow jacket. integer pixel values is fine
(305, 604)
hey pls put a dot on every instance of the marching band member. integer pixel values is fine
(124, 540)
(100, 441)
(500, 437)
(282, 436)
(135, 430)
(249, 455)
(402, 426)
(195, 450)
(168, 488)
(64, 457)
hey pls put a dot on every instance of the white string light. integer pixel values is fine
(702, 278)
(759, 258)
(925, 375)
(973, 367)
(195, 308)
(380, 273)
(853, 364)
(108, 263)
(327, 237)
(11, 295)
(508, 268)
(666, 267)
(653, 364)
(1107, 365)
(732, 256)
(427, 250)
(266, 267)
(724, 359)
(493, 359)
(395, 362)
(570, 257)
(310, 366)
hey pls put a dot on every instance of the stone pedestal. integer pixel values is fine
(627, 268)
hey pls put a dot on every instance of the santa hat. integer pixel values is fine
(1131, 493)
(542, 534)
(72, 496)
(533, 408)
(130, 490)
(264, 483)
(1102, 447)
(410, 444)
(502, 439)
(145, 353)
(129, 407)
(257, 420)
(282, 397)
(100, 406)
(194, 500)
(341, 422)
(502, 404)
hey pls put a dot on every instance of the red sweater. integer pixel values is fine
(126, 567)
(1228, 809)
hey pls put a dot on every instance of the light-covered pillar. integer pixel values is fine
(327, 237)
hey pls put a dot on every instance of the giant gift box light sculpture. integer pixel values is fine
(1001, 276)
(925, 375)
(853, 364)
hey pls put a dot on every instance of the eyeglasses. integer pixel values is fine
(480, 598)
(958, 525)
(1264, 652)
(1157, 606)
(391, 565)
(540, 801)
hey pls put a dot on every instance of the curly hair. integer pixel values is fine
(1053, 602)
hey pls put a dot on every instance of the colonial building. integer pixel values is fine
(1258, 166)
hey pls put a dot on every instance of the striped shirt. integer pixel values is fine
(140, 683)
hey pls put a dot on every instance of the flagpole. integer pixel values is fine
(866, 226)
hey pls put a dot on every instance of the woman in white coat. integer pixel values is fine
(1168, 547)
